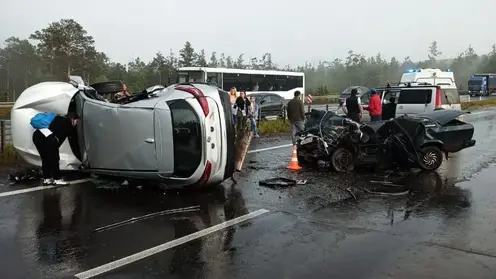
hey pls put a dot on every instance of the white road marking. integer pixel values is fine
(269, 148)
(40, 188)
(168, 245)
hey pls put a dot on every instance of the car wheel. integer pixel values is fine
(431, 158)
(342, 160)
(108, 87)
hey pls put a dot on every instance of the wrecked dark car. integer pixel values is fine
(419, 141)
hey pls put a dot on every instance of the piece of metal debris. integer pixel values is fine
(382, 193)
(277, 181)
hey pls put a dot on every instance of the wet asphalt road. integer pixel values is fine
(444, 229)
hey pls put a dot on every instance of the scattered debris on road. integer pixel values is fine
(278, 181)
(24, 175)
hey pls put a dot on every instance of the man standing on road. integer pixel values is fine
(48, 141)
(352, 107)
(296, 115)
(375, 106)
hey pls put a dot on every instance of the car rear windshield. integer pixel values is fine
(187, 138)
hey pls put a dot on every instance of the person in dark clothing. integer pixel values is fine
(243, 106)
(389, 110)
(296, 115)
(48, 142)
(352, 107)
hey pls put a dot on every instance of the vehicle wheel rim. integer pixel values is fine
(343, 160)
(430, 158)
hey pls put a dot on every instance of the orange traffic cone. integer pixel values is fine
(293, 164)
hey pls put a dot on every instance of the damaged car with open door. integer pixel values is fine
(178, 135)
(403, 142)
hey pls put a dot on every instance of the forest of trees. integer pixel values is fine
(64, 48)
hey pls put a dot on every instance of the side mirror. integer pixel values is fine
(341, 102)
(262, 102)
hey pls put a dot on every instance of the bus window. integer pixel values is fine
(213, 79)
(229, 82)
(264, 82)
(243, 82)
(192, 76)
(281, 83)
(294, 82)
(196, 76)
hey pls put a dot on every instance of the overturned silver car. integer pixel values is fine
(179, 134)
(420, 141)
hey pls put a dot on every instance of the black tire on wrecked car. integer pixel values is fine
(431, 158)
(108, 87)
(342, 160)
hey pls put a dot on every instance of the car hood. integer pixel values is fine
(443, 117)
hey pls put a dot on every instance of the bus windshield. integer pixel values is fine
(191, 76)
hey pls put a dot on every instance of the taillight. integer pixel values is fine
(438, 97)
(206, 173)
(198, 94)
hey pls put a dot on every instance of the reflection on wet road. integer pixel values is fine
(444, 228)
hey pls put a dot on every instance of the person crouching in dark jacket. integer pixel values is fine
(48, 142)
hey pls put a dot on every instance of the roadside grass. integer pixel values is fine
(327, 99)
(474, 105)
(273, 127)
(5, 112)
(9, 156)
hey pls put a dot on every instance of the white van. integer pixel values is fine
(444, 79)
(418, 99)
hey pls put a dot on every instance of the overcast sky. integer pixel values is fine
(293, 31)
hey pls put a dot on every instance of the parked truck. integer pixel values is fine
(482, 85)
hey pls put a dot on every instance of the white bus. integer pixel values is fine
(251, 81)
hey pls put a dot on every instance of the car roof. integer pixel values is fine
(407, 87)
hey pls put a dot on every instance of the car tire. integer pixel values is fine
(342, 160)
(431, 158)
(108, 87)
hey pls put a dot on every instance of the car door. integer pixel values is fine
(164, 144)
(413, 101)
(277, 104)
(265, 108)
(118, 137)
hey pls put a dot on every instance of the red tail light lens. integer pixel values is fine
(438, 97)
(206, 173)
(198, 94)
